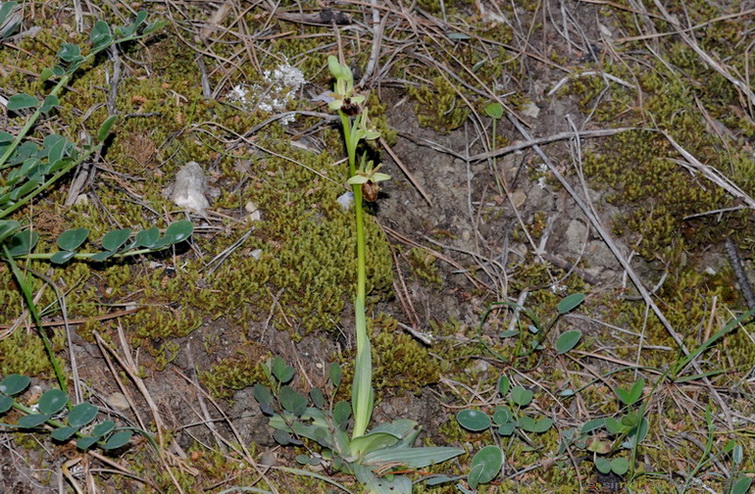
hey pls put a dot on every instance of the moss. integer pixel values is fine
(24, 353)
(399, 360)
(439, 106)
(237, 372)
(424, 267)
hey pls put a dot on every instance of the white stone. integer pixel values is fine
(530, 110)
(190, 188)
(254, 212)
(346, 199)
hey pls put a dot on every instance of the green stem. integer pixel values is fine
(26, 290)
(361, 389)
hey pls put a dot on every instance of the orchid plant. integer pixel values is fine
(377, 456)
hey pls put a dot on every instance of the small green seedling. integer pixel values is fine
(566, 342)
(504, 421)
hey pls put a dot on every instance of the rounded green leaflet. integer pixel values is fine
(282, 372)
(507, 429)
(473, 420)
(6, 403)
(62, 257)
(317, 397)
(603, 465)
(22, 243)
(21, 101)
(494, 110)
(527, 423)
(14, 384)
(619, 466)
(82, 414)
(53, 401)
(501, 416)
(341, 414)
(32, 421)
(568, 340)
(117, 440)
(262, 394)
(179, 231)
(86, 442)
(569, 303)
(50, 102)
(486, 465)
(503, 385)
(147, 238)
(543, 425)
(521, 396)
(100, 34)
(292, 401)
(592, 425)
(103, 428)
(64, 433)
(335, 374)
(71, 239)
(114, 240)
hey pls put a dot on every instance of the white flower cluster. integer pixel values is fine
(280, 86)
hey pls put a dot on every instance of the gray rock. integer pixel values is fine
(190, 188)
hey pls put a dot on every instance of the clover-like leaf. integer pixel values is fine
(6, 403)
(619, 466)
(179, 231)
(32, 421)
(117, 440)
(292, 401)
(603, 465)
(100, 35)
(115, 239)
(50, 102)
(494, 110)
(82, 414)
(569, 303)
(631, 396)
(503, 385)
(53, 401)
(14, 384)
(86, 442)
(473, 420)
(282, 372)
(64, 433)
(21, 102)
(147, 238)
(501, 415)
(72, 239)
(103, 428)
(335, 374)
(568, 340)
(70, 53)
(22, 243)
(490, 459)
(62, 257)
(521, 396)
